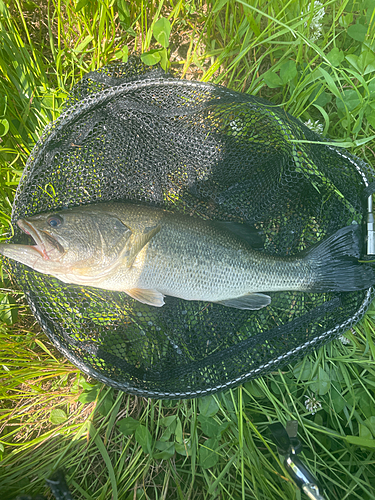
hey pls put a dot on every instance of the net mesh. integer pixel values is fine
(131, 133)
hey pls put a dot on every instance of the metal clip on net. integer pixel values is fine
(289, 446)
(370, 228)
(370, 221)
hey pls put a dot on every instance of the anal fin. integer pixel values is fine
(252, 301)
(149, 297)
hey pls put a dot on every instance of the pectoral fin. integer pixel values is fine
(135, 244)
(149, 297)
(250, 301)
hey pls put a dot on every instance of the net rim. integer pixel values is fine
(97, 98)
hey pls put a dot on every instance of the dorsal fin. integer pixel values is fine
(245, 232)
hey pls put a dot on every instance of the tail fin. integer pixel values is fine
(335, 263)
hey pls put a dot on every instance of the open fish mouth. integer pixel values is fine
(44, 242)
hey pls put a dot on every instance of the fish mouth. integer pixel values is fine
(44, 242)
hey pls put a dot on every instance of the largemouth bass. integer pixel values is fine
(150, 253)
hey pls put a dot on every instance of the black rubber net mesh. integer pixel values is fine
(135, 134)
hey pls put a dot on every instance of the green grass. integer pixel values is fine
(113, 445)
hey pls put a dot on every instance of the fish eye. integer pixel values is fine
(55, 221)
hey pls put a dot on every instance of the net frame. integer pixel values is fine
(214, 118)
